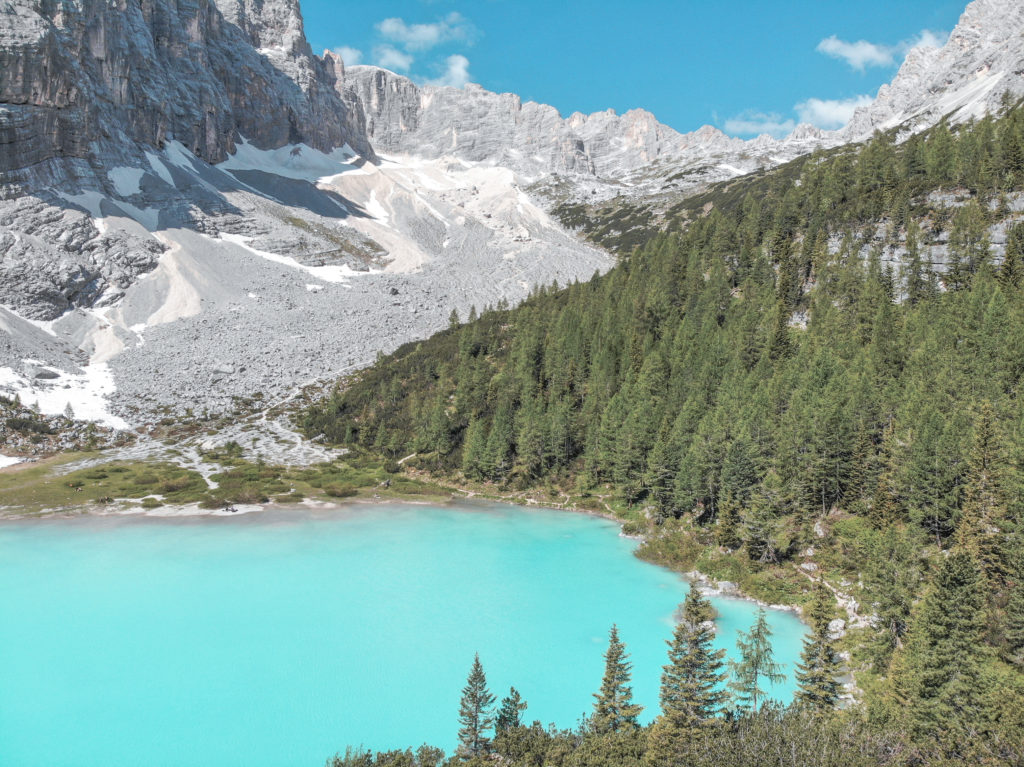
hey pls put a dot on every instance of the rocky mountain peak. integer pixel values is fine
(965, 78)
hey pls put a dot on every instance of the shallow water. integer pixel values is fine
(278, 638)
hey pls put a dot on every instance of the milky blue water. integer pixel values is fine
(278, 638)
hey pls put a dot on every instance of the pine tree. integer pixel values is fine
(816, 674)
(614, 709)
(1013, 262)
(510, 711)
(475, 713)
(690, 682)
(942, 679)
(757, 663)
(979, 527)
(473, 450)
(728, 529)
(762, 519)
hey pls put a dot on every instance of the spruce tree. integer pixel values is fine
(984, 512)
(942, 680)
(1015, 623)
(757, 663)
(1013, 262)
(475, 713)
(614, 709)
(690, 683)
(727, 530)
(816, 674)
(510, 711)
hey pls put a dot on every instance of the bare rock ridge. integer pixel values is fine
(964, 79)
(81, 79)
(480, 126)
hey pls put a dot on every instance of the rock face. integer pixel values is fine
(81, 76)
(90, 90)
(964, 79)
(476, 125)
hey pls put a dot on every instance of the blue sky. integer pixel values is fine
(744, 66)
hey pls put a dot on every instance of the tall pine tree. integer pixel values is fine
(816, 673)
(941, 680)
(614, 709)
(691, 693)
(756, 665)
(476, 714)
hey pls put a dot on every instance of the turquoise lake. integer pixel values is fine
(277, 638)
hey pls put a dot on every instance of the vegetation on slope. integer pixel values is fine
(785, 381)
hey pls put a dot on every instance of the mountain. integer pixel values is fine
(187, 182)
(603, 153)
(192, 201)
(964, 79)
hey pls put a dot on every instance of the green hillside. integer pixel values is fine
(781, 378)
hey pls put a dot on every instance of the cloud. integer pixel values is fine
(756, 123)
(456, 73)
(422, 37)
(351, 56)
(391, 58)
(863, 54)
(827, 114)
(858, 55)
(830, 113)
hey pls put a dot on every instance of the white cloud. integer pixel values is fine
(863, 54)
(421, 37)
(824, 113)
(830, 113)
(757, 123)
(351, 56)
(391, 58)
(858, 55)
(456, 73)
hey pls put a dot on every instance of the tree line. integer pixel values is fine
(695, 699)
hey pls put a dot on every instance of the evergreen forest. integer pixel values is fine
(806, 381)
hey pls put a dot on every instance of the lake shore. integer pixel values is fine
(127, 508)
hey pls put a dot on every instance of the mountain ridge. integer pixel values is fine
(140, 143)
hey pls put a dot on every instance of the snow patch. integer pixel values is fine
(295, 161)
(89, 199)
(177, 154)
(86, 393)
(125, 180)
(375, 209)
(147, 217)
(160, 169)
(336, 273)
(6, 460)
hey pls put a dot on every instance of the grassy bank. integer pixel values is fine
(50, 487)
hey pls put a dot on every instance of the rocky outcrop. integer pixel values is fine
(966, 78)
(480, 126)
(91, 91)
(82, 78)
